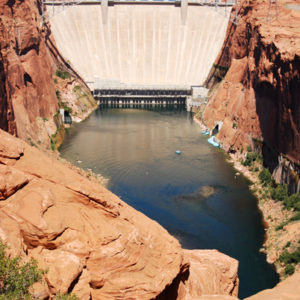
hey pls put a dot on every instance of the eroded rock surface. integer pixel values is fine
(91, 242)
(258, 98)
(28, 61)
(211, 264)
(27, 89)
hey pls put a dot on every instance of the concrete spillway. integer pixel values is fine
(140, 44)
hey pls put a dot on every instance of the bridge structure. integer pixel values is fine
(140, 51)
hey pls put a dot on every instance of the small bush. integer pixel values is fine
(280, 192)
(250, 158)
(76, 88)
(295, 217)
(57, 92)
(60, 296)
(16, 277)
(265, 176)
(281, 225)
(66, 107)
(292, 201)
(53, 141)
(62, 74)
(290, 257)
(289, 270)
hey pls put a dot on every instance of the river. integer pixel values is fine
(195, 195)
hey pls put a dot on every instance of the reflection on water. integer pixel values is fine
(195, 195)
(198, 195)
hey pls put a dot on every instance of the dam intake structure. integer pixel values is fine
(140, 95)
(145, 43)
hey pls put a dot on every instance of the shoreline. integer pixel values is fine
(88, 173)
(273, 213)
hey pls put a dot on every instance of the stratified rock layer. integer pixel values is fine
(91, 242)
(258, 98)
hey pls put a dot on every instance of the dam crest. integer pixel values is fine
(137, 43)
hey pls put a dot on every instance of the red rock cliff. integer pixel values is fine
(259, 97)
(28, 60)
(92, 243)
(27, 88)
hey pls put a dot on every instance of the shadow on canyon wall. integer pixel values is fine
(278, 110)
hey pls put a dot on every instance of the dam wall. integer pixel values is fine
(140, 44)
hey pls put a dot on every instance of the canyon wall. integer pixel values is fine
(27, 89)
(28, 60)
(256, 87)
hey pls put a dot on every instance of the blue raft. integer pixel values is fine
(205, 132)
(178, 152)
(213, 142)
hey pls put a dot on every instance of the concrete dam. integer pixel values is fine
(140, 43)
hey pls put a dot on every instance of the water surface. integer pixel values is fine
(195, 196)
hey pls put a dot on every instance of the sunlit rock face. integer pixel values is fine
(91, 242)
(26, 89)
(258, 98)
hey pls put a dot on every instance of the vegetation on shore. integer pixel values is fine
(266, 189)
(16, 277)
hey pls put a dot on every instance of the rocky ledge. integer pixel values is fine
(92, 243)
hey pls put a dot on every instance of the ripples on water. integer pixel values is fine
(195, 195)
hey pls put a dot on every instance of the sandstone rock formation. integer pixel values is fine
(27, 89)
(288, 289)
(91, 242)
(28, 60)
(258, 98)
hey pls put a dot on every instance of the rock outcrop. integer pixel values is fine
(288, 289)
(92, 243)
(258, 77)
(28, 60)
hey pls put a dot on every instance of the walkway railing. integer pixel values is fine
(65, 4)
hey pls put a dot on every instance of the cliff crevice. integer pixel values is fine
(259, 89)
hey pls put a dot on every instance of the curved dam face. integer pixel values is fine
(140, 44)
